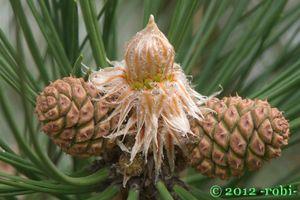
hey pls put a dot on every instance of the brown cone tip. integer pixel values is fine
(238, 136)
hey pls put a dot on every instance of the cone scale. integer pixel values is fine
(72, 118)
(238, 136)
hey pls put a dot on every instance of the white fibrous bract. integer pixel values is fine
(151, 96)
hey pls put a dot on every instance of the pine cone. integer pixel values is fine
(238, 136)
(72, 118)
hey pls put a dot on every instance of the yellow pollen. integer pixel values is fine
(147, 83)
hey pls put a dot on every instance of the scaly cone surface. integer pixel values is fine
(72, 117)
(239, 135)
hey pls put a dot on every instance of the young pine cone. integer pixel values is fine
(72, 118)
(238, 136)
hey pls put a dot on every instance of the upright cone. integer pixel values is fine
(240, 135)
(149, 55)
(72, 118)
(153, 97)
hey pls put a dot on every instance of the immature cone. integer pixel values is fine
(149, 55)
(239, 136)
(152, 96)
(72, 119)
